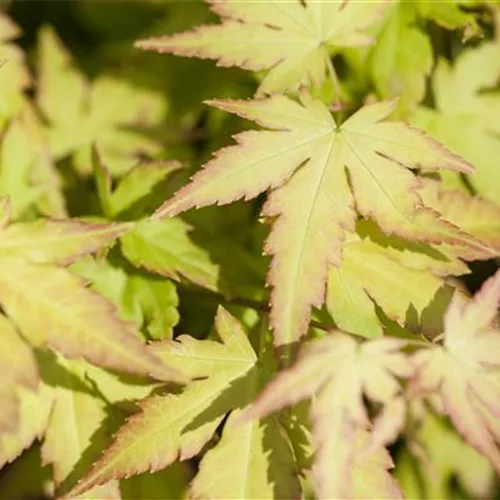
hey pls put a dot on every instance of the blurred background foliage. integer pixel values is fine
(74, 74)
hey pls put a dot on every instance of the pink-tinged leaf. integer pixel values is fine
(477, 216)
(319, 175)
(339, 372)
(56, 241)
(35, 408)
(291, 40)
(17, 368)
(52, 306)
(464, 371)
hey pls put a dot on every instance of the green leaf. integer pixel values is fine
(17, 368)
(401, 58)
(363, 164)
(465, 118)
(372, 275)
(35, 408)
(291, 41)
(256, 473)
(149, 301)
(77, 429)
(179, 425)
(339, 372)
(14, 74)
(164, 247)
(463, 373)
(109, 111)
(50, 305)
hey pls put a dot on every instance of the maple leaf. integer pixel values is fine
(465, 118)
(27, 173)
(162, 247)
(17, 368)
(477, 216)
(293, 40)
(464, 371)
(109, 111)
(401, 57)
(50, 305)
(150, 302)
(372, 274)
(444, 456)
(174, 426)
(339, 372)
(34, 412)
(14, 74)
(314, 208)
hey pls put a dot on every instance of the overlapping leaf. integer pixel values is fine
(362, 165)
(14, 75)
(466, 117)
(401, 282)
(476, 215)
(109, 111)
(17, 368)
(163, 247)
(464, 372)
(179, 425)
(339, 372)
(50, 305)
(402, 56)
(291, 40)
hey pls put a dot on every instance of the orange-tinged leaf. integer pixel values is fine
(291, 39)
(320, 173)
(338, 372)
(17, 368)
(464, 372)
(50, 305)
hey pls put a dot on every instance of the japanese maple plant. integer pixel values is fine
(345, 357)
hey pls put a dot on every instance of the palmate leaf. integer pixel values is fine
(476, 215)
(149, 301)
(179, 425)
(291, 40)
(51, 306)
(401, 57)
(163, 247)
(372, 275)
(466, 116)
(339, 372)
(360, 166)
(34, 413)
(14, 74)
(465, 371)
(17, 368)
(109, 110)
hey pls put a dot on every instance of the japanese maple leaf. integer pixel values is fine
(466, 112)
(49, 305)
(338, 372)
(226, 377)
(465, 370)
(320, 174)
(292, 39)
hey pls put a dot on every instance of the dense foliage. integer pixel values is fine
(269, 276)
